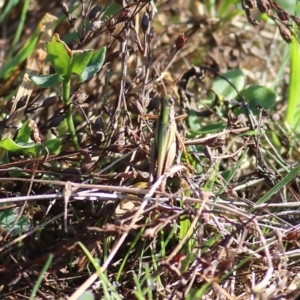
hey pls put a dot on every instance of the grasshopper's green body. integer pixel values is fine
(165, 137)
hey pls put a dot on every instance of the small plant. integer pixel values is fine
(84, 63)
(26, 143)
(226, 88)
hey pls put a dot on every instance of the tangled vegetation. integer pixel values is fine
(149, 149)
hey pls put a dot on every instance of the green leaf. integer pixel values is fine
(87, 295)
(80, 60)
(250, 133)
(8, 218)
(221, 87)
(46, 81)
(24, 134)
(53, 146)
(288, 5)
(94, 65)
(259, 95)
(60, 55)
(66, 61)
(17, 172)
(210, 128)
(194, 121)
(9, 145)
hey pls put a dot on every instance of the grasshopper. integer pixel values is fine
(165, 137)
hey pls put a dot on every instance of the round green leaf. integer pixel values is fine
(194, 121)
(87, 295)
(257, 95)
(8, 220)
(222, 87)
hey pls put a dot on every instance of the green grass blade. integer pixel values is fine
(138, 291)
(19, 28)
(232, 173)
(132, 246)
(212, 178)
(37, 284)
(288, 178)
(8, 6)
(26, 50)
(108, 289)
(293, 113)
(225, 8)
(164, 241)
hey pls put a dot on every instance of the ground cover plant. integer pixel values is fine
(149, 149)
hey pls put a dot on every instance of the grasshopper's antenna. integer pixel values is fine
(178, 78)
(159, 77)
